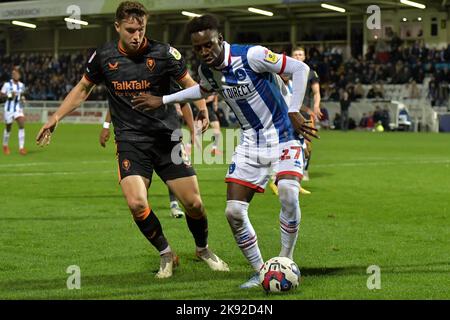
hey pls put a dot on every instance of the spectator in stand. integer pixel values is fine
(385, 118)
(359, 92)
(413, 89)
(363, 121)
(324, 120)
(432, 91)
(377, 115)
(375, 92)
(370, 123)
(337, 121)
(345, 103)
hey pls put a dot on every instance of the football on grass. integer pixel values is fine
(279, 274)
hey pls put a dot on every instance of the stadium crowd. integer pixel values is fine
(50, 78)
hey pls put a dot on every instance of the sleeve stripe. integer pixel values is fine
(283, 65)
(89, 79)
(183, 75)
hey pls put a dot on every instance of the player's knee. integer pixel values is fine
(288, 193)
(194, 207)
(137, 205)
(235, 211)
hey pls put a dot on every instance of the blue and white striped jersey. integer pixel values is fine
(10, 87)
(248, 83)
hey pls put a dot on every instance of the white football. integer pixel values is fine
(279, 274)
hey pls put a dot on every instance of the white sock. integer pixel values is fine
(166, 250)
(21, 138)
(244, 234)
(174, 204)
(290, 216)
(5, 137)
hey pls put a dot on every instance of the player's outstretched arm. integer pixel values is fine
(75, 97)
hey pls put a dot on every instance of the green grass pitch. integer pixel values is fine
(377, 199)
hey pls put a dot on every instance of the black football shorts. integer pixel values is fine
(168, 159)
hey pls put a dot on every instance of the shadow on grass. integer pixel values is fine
(362, 270)
(135, 283)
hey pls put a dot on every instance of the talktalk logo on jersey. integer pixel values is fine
(131, 85)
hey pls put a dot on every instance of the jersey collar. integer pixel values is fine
(227, 56)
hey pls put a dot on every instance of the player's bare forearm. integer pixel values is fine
(75, 97)
(316, 97)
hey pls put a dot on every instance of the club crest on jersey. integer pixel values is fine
(232, 168)
(175, 53)
(113, 66)
(151, 64)
(126, 164)
(271, 57)
(240, 74)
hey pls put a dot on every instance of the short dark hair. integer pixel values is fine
(133, 9)
(204, 22)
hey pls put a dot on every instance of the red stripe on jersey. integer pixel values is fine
(283, 65)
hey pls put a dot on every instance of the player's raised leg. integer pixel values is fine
(187, 192)
(134, 189)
